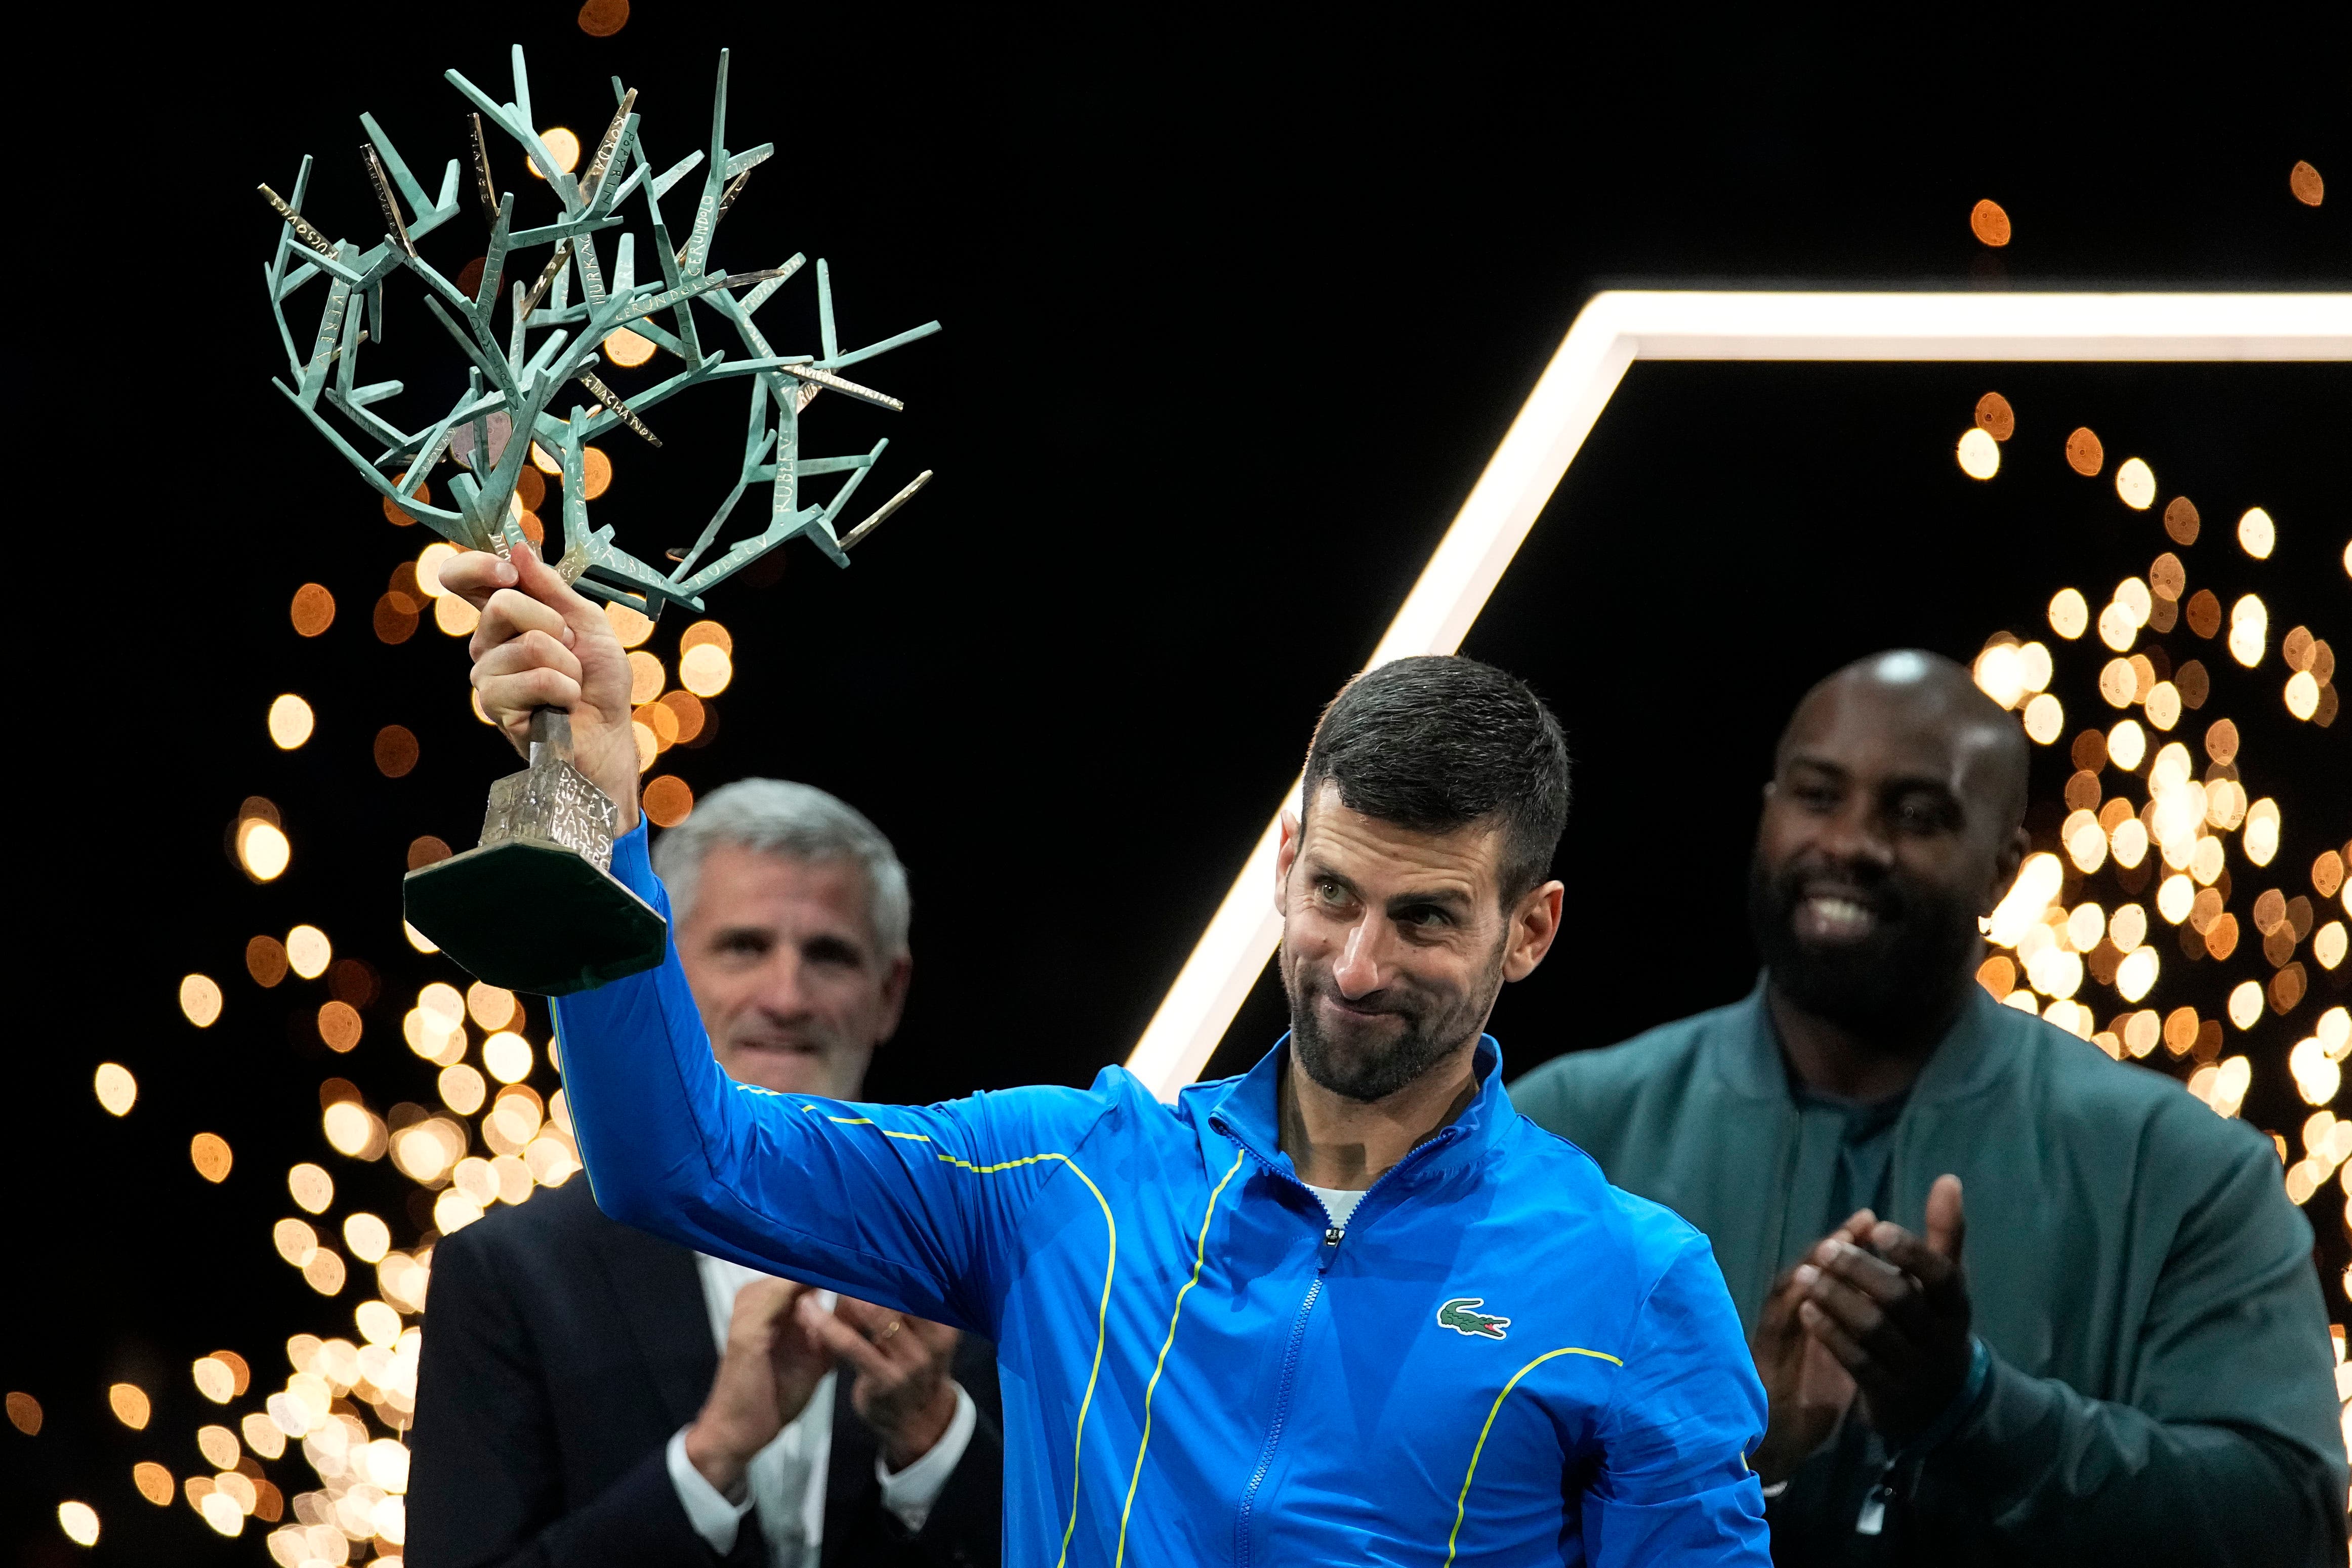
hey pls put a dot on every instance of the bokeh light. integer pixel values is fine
(290, 721)
(262, 850)
(2249, 630)
(339, 1025)
(349, 1128)
(2127, 744)
(155, 1483)
(462, 1089)
(200, 1000)
(79, 1521)
(630, 627)
(2070, 614)
(602, 18)
(2136, 484)
(490, 1006)
(705, 670)
(562, 145)
(2180, 519)
(2303, 182)
(209, 1152)
(129, 1402)
(2083, 453)
(396, 750)
(646, 678)
(117, 1090)
(311, 1187)
(312, 610)
(668, 801)
(626, 349)
(2257, 534)
(1995, 417)
(1978, 452)
(2261, 838)
(219, 1446)
(307, 951)
(368, 1237)
(506, 1056)
(1990, 223)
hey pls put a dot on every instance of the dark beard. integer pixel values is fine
(1433, 1027)
(1900, 979)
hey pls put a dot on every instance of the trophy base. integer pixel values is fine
(532, 916)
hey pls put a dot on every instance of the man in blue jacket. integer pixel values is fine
(1350, 1307)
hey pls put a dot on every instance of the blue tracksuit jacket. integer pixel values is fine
(1501, 1360)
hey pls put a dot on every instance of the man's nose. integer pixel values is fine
(1359, 971)
(1857, 835)
(781, 990)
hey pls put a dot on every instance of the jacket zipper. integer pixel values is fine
(1333, 1234)
(1242, 1551)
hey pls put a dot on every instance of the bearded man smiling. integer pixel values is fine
(2129, 1361)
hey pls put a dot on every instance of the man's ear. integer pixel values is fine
(2004, 867)
(1535, 924)
(1286, 856)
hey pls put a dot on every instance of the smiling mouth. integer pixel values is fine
(1347, 1009)
(1833, 917)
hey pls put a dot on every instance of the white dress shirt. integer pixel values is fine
(786, 1480)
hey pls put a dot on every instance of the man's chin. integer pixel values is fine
(781, 1069)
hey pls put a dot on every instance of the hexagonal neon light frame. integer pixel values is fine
(1609, 334)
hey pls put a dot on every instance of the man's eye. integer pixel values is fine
(1330, 892)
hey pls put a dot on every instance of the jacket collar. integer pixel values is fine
(1967, 1060)
(1248, 1110)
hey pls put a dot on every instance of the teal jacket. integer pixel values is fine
(2159, 1388)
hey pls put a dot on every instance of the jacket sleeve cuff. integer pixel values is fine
(909, 1494)
(714, 1519)
(1963, 1404)
(633, 861)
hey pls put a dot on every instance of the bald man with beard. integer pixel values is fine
(2127, 1359)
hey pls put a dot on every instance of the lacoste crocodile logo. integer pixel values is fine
(1459, 1314)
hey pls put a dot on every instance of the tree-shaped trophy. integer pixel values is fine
(535, 908)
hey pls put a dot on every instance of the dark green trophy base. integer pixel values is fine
(532, 916)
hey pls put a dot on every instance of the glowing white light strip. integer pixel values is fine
(1612, 332)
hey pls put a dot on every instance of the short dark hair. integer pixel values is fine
(1437, 743)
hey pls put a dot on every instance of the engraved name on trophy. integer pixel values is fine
(535, 906)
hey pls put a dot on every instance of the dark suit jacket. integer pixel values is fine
(561, 1353)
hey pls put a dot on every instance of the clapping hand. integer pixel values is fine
(771, 1367)
(903, 1391)
(1807, 1391)
(1892, 1309)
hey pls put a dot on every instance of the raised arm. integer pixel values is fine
(910, 1208)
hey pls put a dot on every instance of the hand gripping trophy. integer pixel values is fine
(547, 838)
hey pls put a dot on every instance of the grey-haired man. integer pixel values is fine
(593, 1394)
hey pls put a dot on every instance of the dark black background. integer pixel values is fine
(1236, 310)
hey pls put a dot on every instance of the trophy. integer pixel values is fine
(535, 908)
